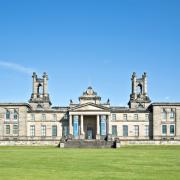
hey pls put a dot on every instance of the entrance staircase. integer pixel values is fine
(87, 144)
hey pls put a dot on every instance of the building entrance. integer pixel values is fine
(90, 127)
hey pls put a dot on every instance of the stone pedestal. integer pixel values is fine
(82, 136)
(118, 145)
(98, 137)
(61, 145)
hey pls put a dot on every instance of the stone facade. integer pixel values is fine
(39, 123)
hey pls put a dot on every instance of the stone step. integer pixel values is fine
(88, 144)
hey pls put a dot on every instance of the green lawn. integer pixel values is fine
(132, 162)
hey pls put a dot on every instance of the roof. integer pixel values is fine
(165, 104)
(15, 104)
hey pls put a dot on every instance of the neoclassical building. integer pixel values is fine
(38, 122)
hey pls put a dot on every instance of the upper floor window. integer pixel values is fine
(135, 116)
(15, 115)
(114, 117)
(164, 115)
(32, 117)
(8, 114)
(172, 115)
(54, 117)
(147, 117)
(125, 117)
(66, 116)
(43, 117)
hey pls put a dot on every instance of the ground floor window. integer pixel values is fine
(8, 130)
(125, 130)
(32, 131)
(15, 129)
(136, 130)
(146, 131)
(43, 130)
(54, 130)
(114, 130)
(164, 129)
(172, 130)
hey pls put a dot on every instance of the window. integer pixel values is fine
(164, 115)
(164, 129)
(32, 117)
(114, 130)
(15, 129)
(66, 116)
(172, 115)
(15, 115)
(125, 130)
(172, 130)
(54, 130)
(147, 117)
(8, 115)
(54, 117)
(135, 116)
(146, 130)
(7, 129)
(125, 117)
(114, 117)
(43, 117)
(136, 130)
(43, 130)
(32, 130)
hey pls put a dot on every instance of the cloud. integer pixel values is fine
(16, 67)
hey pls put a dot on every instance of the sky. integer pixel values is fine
(82, 43)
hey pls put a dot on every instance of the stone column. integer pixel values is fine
(98, 128)
(109, 128)
(34, 85)
(145, 84)
(134, 83)
(82, 127)
(45, 84)
(70, 125)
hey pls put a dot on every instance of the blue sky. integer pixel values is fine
(89, 42)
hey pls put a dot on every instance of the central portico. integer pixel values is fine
(89, 119)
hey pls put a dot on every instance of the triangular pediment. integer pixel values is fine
(90, 107)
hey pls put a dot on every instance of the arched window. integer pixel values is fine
(139, 89)
(164, 115)
(7, 114)
(40, 89)
(15, 115)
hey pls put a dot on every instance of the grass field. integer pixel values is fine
(133, 162)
